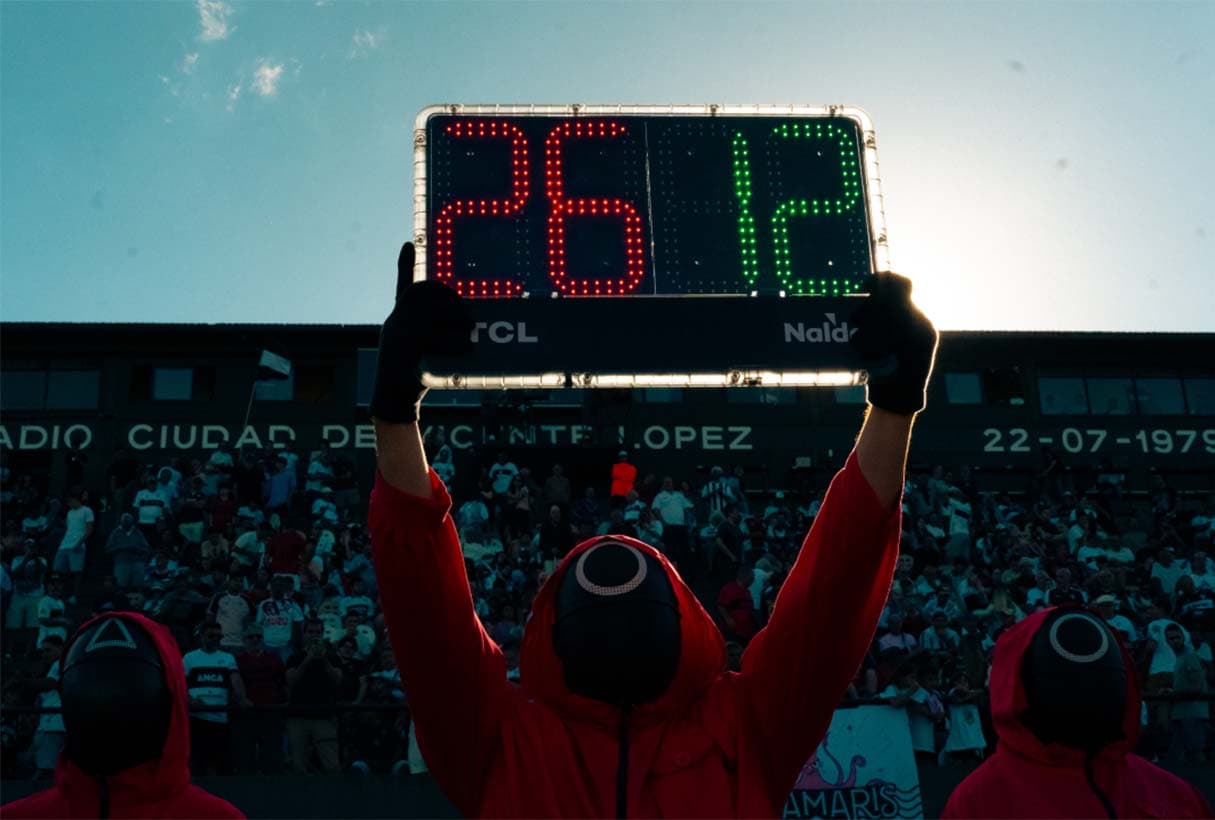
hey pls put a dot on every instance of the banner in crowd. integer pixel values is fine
(864, 768)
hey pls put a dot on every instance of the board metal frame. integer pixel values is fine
(499, 360)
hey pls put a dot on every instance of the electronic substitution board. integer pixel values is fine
(617, 246)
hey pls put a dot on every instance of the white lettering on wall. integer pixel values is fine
(84, 440)
(249, 436)
(460, 437)
(207, 442)
(139, 444)
(650, 437)
(327, 435)
(275, 429)
(28, 441)
(143, 436)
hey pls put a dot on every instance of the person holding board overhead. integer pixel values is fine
(624, 705)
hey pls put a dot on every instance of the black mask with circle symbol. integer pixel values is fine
(116, 704)
(617, 629)
(1075, 681)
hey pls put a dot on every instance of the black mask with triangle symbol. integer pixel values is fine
(116, 704)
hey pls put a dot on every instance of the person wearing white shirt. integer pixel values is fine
(356, 601)
(1123, 624)
(52, 612)
(281, 619)
(323, 508)
(250, 546)
(319, 472)
(501, 473)
(51, 735)
(222, 458)
(649, 529)
(151, 504)
(716, 493)
(672, 505)
(34, 523)
(1075, 535)
(212, 679)
(922, 710)
(939, 637)
(1167, 570)
(472, 517)
(70, 557)
(1120, 554)
(896, 640)
(1037, 595)
(634, 506)
(1088, 554)
(1164, 659)
(1202, 570)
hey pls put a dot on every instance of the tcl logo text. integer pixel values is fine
(503, 332)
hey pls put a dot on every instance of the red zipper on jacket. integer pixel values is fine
(622, 767)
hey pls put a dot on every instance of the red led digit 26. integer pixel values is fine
(561, 209)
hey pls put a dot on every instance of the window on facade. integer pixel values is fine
(23, 389)
(453, 398)
(761, 395)
(365, 377)
(1159, 396)
(963, 388)
(1003, 386)
(1200, 396)
(1110, 396)
(661, 395)
(172, 383)
(854, 394)
(72, 389)
(150, 383)
(276, 389)
(314, 383)
(1062, 395)
(572, 397)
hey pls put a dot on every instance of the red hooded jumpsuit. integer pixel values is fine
(160, 788)
(1026, 778)
(716, 744)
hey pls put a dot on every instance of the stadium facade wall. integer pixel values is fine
(986, 408)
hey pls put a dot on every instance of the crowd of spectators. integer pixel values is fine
(259, 564)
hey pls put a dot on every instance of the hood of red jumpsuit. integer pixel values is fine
(156, 778)
(702, 657)
(1008, 700)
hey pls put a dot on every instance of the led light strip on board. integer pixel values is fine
(732, 378)
(549, 381)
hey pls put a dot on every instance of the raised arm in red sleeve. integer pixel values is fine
(797, 668)
(453, 673)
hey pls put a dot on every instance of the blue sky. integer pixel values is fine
(1045, 165)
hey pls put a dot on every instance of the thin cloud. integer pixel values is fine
(188, 63)
(364, 42)
(266, 78)
(234, 93)
(213, 17)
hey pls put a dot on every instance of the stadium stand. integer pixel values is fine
(1049, 467)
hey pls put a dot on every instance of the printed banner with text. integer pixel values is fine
(864, 768)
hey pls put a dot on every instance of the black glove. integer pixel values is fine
(896, 344)
(429, 319)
